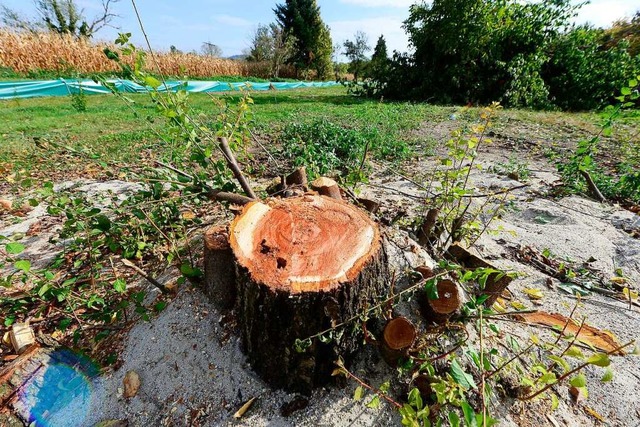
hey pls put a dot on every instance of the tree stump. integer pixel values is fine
(304, 265)
(449, 301)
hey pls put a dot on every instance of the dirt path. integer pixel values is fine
(193, 372)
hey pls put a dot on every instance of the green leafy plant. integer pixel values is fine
(79, 100)
(620, 184)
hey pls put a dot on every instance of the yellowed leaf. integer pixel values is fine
(630, 294)
(619, 280)
(244, 408)
(499, 305)
(594, 414)
(518, 305)
(533, 293)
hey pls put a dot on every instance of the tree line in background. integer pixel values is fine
(522, 54)
(462, 51)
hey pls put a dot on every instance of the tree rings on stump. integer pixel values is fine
(397, 338)
(449, 301)
(305, 264)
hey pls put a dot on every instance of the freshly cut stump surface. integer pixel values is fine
(304, 265)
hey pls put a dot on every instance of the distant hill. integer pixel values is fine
(237, 57)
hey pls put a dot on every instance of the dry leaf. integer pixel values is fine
(34, 229)
(589, 335)
(578, 394)
(131, 384)
(594, 414)
(618, 280)
(188, 215)
(244, 408)
(6, 204)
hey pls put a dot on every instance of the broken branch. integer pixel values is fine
(233, 165)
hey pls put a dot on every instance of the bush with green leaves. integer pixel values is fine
(621, 184)
(323, 146)
(581, 74)
(523, 54)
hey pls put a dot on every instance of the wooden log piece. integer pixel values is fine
(219, 268)
(495, 284)
(397, 338)
(449, 301)
(298, 178)
(427, 227)
(327, 187)
(304, 264)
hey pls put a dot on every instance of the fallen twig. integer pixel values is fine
(593, 188)
(142, 273)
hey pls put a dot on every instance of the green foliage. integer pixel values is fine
(522, 54)
(79, 100)
(624, 30)
(323, 146)
(514, 168)
(271, 43)
(581, 74)
(447, 68)
(455, 217)
(623, 182)
(378, 67)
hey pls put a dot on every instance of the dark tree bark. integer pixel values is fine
(304, 265)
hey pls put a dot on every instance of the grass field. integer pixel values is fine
(117, 133)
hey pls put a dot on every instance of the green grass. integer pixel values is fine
(123, 136)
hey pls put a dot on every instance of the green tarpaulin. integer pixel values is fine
(62, 87)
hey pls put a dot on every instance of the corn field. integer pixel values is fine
(28, 52)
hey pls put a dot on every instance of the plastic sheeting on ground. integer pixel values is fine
(62, 87)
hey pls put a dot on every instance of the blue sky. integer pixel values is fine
(229, 23)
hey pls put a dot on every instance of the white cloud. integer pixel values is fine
(602, 13)
(381, 3)
(232, 21)
(389, 26)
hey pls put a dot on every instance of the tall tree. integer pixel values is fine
(261, 44)
(301, 19)
(211, 49)
(60, 16)
(271, 43)
(356, 52)
(379, 65)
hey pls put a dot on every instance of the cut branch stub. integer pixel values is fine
(327, 187)
(397, 338)
(305, 264)
(449, 301)
(298, 178)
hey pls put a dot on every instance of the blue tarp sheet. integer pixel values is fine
(62, 87)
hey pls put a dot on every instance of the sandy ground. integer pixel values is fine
(193, 372)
